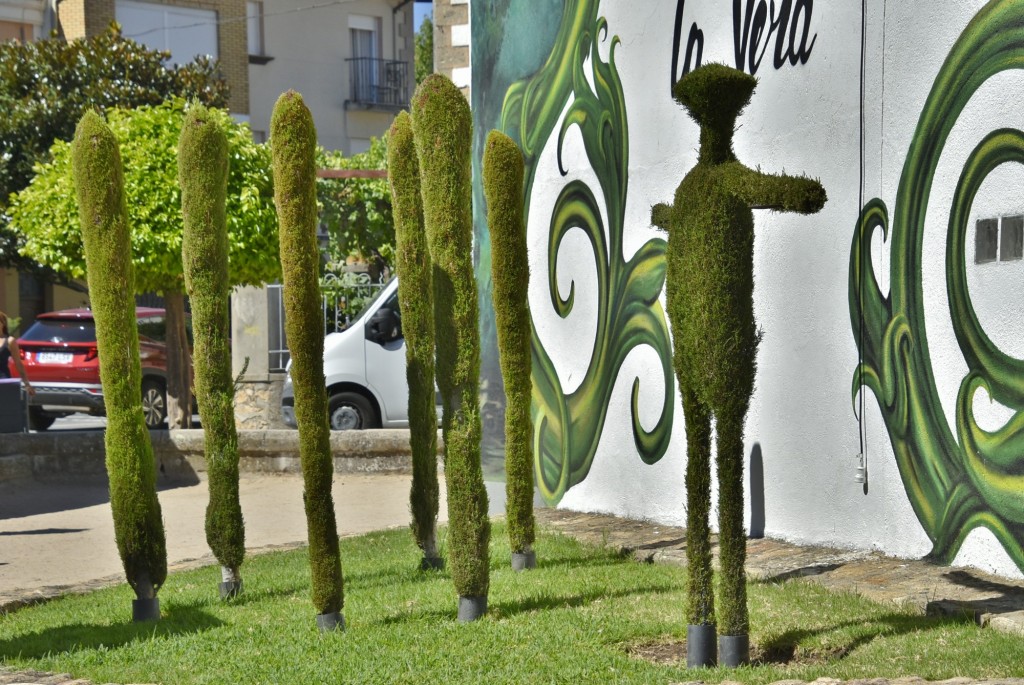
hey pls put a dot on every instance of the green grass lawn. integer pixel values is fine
(575, 619)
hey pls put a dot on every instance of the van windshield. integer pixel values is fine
(370, 303)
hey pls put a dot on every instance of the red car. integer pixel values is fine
(60, 356)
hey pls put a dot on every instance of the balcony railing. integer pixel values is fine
(378, 82)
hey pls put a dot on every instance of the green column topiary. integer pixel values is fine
(442, 129)
(709, 288)
(203, 176)
(414, 287)
(293, 143)
(503, 189)
(138, 527)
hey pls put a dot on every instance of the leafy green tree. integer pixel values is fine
(138, 527)
(416, 303)
(442, 132)
(503, 188)
(203, 174)
(709, 290)
(357, 211)
(46, 86)
(294, 147)
(45, 214)
(424, 50)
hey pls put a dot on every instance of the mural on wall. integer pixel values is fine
(975, 478)
(568, 426)
(511, 40)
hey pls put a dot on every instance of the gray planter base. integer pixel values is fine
(701, 646)
(330, 622)
(522, 561)
(431, 564)
(230, 589)
(734, 650)
(472, 608)
(145, 610)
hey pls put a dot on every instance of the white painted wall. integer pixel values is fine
(803, 119)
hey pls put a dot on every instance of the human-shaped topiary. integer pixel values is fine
(709, 288)
(510, 269)
(442, 132)
(293, 143)
(131, 467)
(203, 177)
(413, 265)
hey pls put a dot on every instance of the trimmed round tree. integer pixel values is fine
(709, 289)
(442, 132)
(131, 467)
(203, 176)
(293, 143)
(414, 287)
(510, 269)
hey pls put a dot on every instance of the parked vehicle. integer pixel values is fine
(364, 368)
(62, 361)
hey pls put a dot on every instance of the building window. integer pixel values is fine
(374, 81)
(185, 32)
(254, 26)
(986, 241)
(13, 30)
(1011, 243)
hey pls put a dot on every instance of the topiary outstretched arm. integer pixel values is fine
(774, 191)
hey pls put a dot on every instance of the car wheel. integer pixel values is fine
(351, 411)
(38, 420)
(154, 404)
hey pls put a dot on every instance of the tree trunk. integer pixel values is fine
(179, 391)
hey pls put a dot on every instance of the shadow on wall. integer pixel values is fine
(756, 492)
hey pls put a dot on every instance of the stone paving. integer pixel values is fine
(992, 601)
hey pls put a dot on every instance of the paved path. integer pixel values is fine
(44, 525)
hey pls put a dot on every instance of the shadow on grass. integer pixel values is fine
(507, 609)
(177, 620)
(789, 646)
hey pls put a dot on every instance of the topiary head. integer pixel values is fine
(714, 93)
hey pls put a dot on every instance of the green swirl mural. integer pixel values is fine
(568, 426)
(975, 478)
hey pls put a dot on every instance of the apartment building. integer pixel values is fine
(352, 60)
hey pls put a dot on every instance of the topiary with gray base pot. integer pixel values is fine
(709, 289)
(293, 144)
(413, 265)
(131, 467)
(203, 177)
(510, 269)
(442, 133)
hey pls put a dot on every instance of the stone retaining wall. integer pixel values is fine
(179, 454)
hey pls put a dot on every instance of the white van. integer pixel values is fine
(364, 367)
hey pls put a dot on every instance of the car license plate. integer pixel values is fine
(54, 357)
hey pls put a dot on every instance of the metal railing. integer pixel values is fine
(342, 302)
(379, 82)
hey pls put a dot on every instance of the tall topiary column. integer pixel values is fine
(293, 143)
(510, 268)
(442, 132)
(203, 177)
(138, 527)
(414, 294)
(709, 288)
